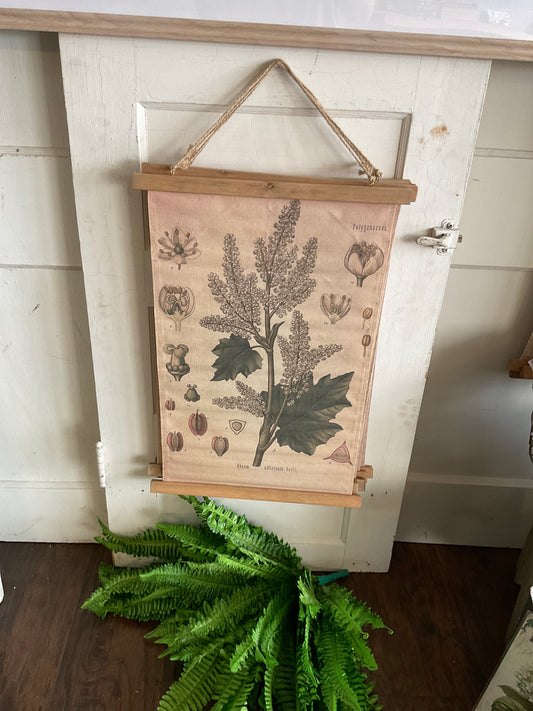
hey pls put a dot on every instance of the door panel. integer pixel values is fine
(134, 100)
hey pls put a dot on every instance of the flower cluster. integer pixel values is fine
(287, 278)
(249, 400)
(236, 295)
(299, 359)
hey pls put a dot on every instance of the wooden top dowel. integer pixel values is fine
(224, 182)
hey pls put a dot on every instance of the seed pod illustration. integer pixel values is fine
(198, 423)
(177, 367)
(177, 303)
(170, 404)
(175, 441)
(340, 455)
(220, 445)
(367, 313)
(335, 306)
(365, 342)
(192, 394)
(363, 260)
(237, 426)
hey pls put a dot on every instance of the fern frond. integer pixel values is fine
(119, 583)
(152, 543)
(344, 600)
(205, 581)
(224, 615)
(197, 684)
(351, 615)
(306, 675)
(253, 541)
(156, 605)
(307, 586)
(242, 653)
(197, 539)
(171, 624)
(268, 631)
(246, 566)
(236, 688)
(342, 683)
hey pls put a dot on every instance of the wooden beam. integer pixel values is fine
(520, 368)
(90, 23)
(226, 491)
(222, 182)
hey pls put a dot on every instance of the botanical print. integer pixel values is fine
(295, 410)
(511, 687)
(276, 337)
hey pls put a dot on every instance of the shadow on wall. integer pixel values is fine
(474, 419)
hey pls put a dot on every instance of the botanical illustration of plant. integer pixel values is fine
(296, 411)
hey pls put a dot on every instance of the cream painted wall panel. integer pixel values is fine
(55, 513)
(496, 224)
(48, 421)
(49, 487)
(37, 215)
(465, 513)
(222, 82)
(474, 419)
(32, 111)
(170, 133)
(507, 121)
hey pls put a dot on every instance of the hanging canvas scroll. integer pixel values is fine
(267, 298)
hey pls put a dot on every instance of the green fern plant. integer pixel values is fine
(253, 627)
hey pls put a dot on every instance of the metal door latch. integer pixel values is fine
(444, 238)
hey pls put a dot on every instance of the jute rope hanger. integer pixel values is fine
(370, 170)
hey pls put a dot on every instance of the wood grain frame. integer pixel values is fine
(208, 181)
(89, 23)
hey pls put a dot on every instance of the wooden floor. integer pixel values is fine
(449, 608)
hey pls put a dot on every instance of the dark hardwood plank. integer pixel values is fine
(449, 608)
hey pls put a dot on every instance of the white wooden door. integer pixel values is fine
(133, 100)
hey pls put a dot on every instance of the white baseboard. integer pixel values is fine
(471, 510)
(58, 512)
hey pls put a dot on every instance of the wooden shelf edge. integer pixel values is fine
(213, 182)
(225, 491)
(92, 23)
(520, 368)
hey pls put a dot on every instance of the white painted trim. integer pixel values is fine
(34, 484)
(503, 153)
(274, 110)
(57, 267)
(34, 152)
(491, 268)
(457, 480)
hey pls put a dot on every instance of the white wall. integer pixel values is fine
(471, 480)
(48, 423)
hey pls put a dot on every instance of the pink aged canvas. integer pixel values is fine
(266, 319)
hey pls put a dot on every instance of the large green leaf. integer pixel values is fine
(235, 357)
(306, 424)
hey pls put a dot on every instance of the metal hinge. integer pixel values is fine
(444, 238)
